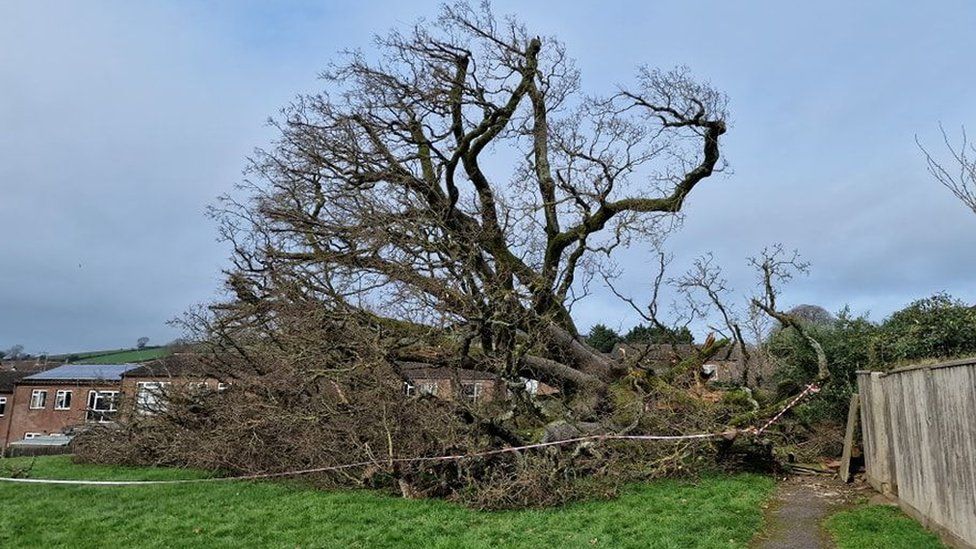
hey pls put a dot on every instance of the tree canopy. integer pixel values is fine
(462, 179)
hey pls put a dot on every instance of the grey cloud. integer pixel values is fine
(121, 121)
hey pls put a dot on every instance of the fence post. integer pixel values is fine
(845, 459)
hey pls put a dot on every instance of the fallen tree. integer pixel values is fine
(447, 202)
(384, 196)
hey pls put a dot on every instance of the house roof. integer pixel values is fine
(8, 379)
(83, 372)
(176, 365)
(30, 366)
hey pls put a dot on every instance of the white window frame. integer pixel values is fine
(148, 403)
(38, 394)
(409, 389)
(3, 406)
(28, 436)
(221, 387)
(476, 394)
(101, 415)
(59, 399)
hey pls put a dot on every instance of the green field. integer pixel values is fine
(879, 527)
(77, 356)
(112, 356)
(123, 356)
(718, 511)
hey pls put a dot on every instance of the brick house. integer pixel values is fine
(446, 383)
(144, 387)
(61, 399)
(449, 383)
(48, 407)
(8, 380)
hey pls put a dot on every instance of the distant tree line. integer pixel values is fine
(604, 338)
(15, 352)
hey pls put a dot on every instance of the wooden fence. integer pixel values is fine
(919, 427)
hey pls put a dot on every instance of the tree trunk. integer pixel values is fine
(586, 359)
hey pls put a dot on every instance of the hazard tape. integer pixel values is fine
(810, 389)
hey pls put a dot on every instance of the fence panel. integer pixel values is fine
(919, 431)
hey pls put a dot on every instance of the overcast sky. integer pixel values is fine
(121, 121)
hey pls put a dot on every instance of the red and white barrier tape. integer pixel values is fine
(454, 457)
(812, 388)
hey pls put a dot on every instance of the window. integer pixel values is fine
(62, 400)
(471, 391)
(428, 388)
(102, 406)
(409, 389)
(28, 436)
(150, 397)
(221, 387)
(3, 405)
(38, 399)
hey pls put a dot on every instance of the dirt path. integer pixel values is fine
(794, 517)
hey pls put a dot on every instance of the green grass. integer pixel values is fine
(718, 511)
(879, 527)
(86, 354)
(122, 357)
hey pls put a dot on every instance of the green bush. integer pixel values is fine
(935, 327)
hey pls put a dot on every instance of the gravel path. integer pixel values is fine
(794, 517)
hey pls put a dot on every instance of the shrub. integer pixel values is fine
(939, 326)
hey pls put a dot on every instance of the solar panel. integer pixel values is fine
(102, 372)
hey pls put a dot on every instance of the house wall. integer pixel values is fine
(490, 389)
(47, 420)
(5, 419)
(730, 371)
(130, 387)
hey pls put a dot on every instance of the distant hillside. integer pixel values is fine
(124, 356)
(74, 357)
(111, 356)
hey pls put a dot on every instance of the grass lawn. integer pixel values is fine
(879, 527)
(717, 511)
(122, 357)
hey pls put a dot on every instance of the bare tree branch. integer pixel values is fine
(959, 174)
